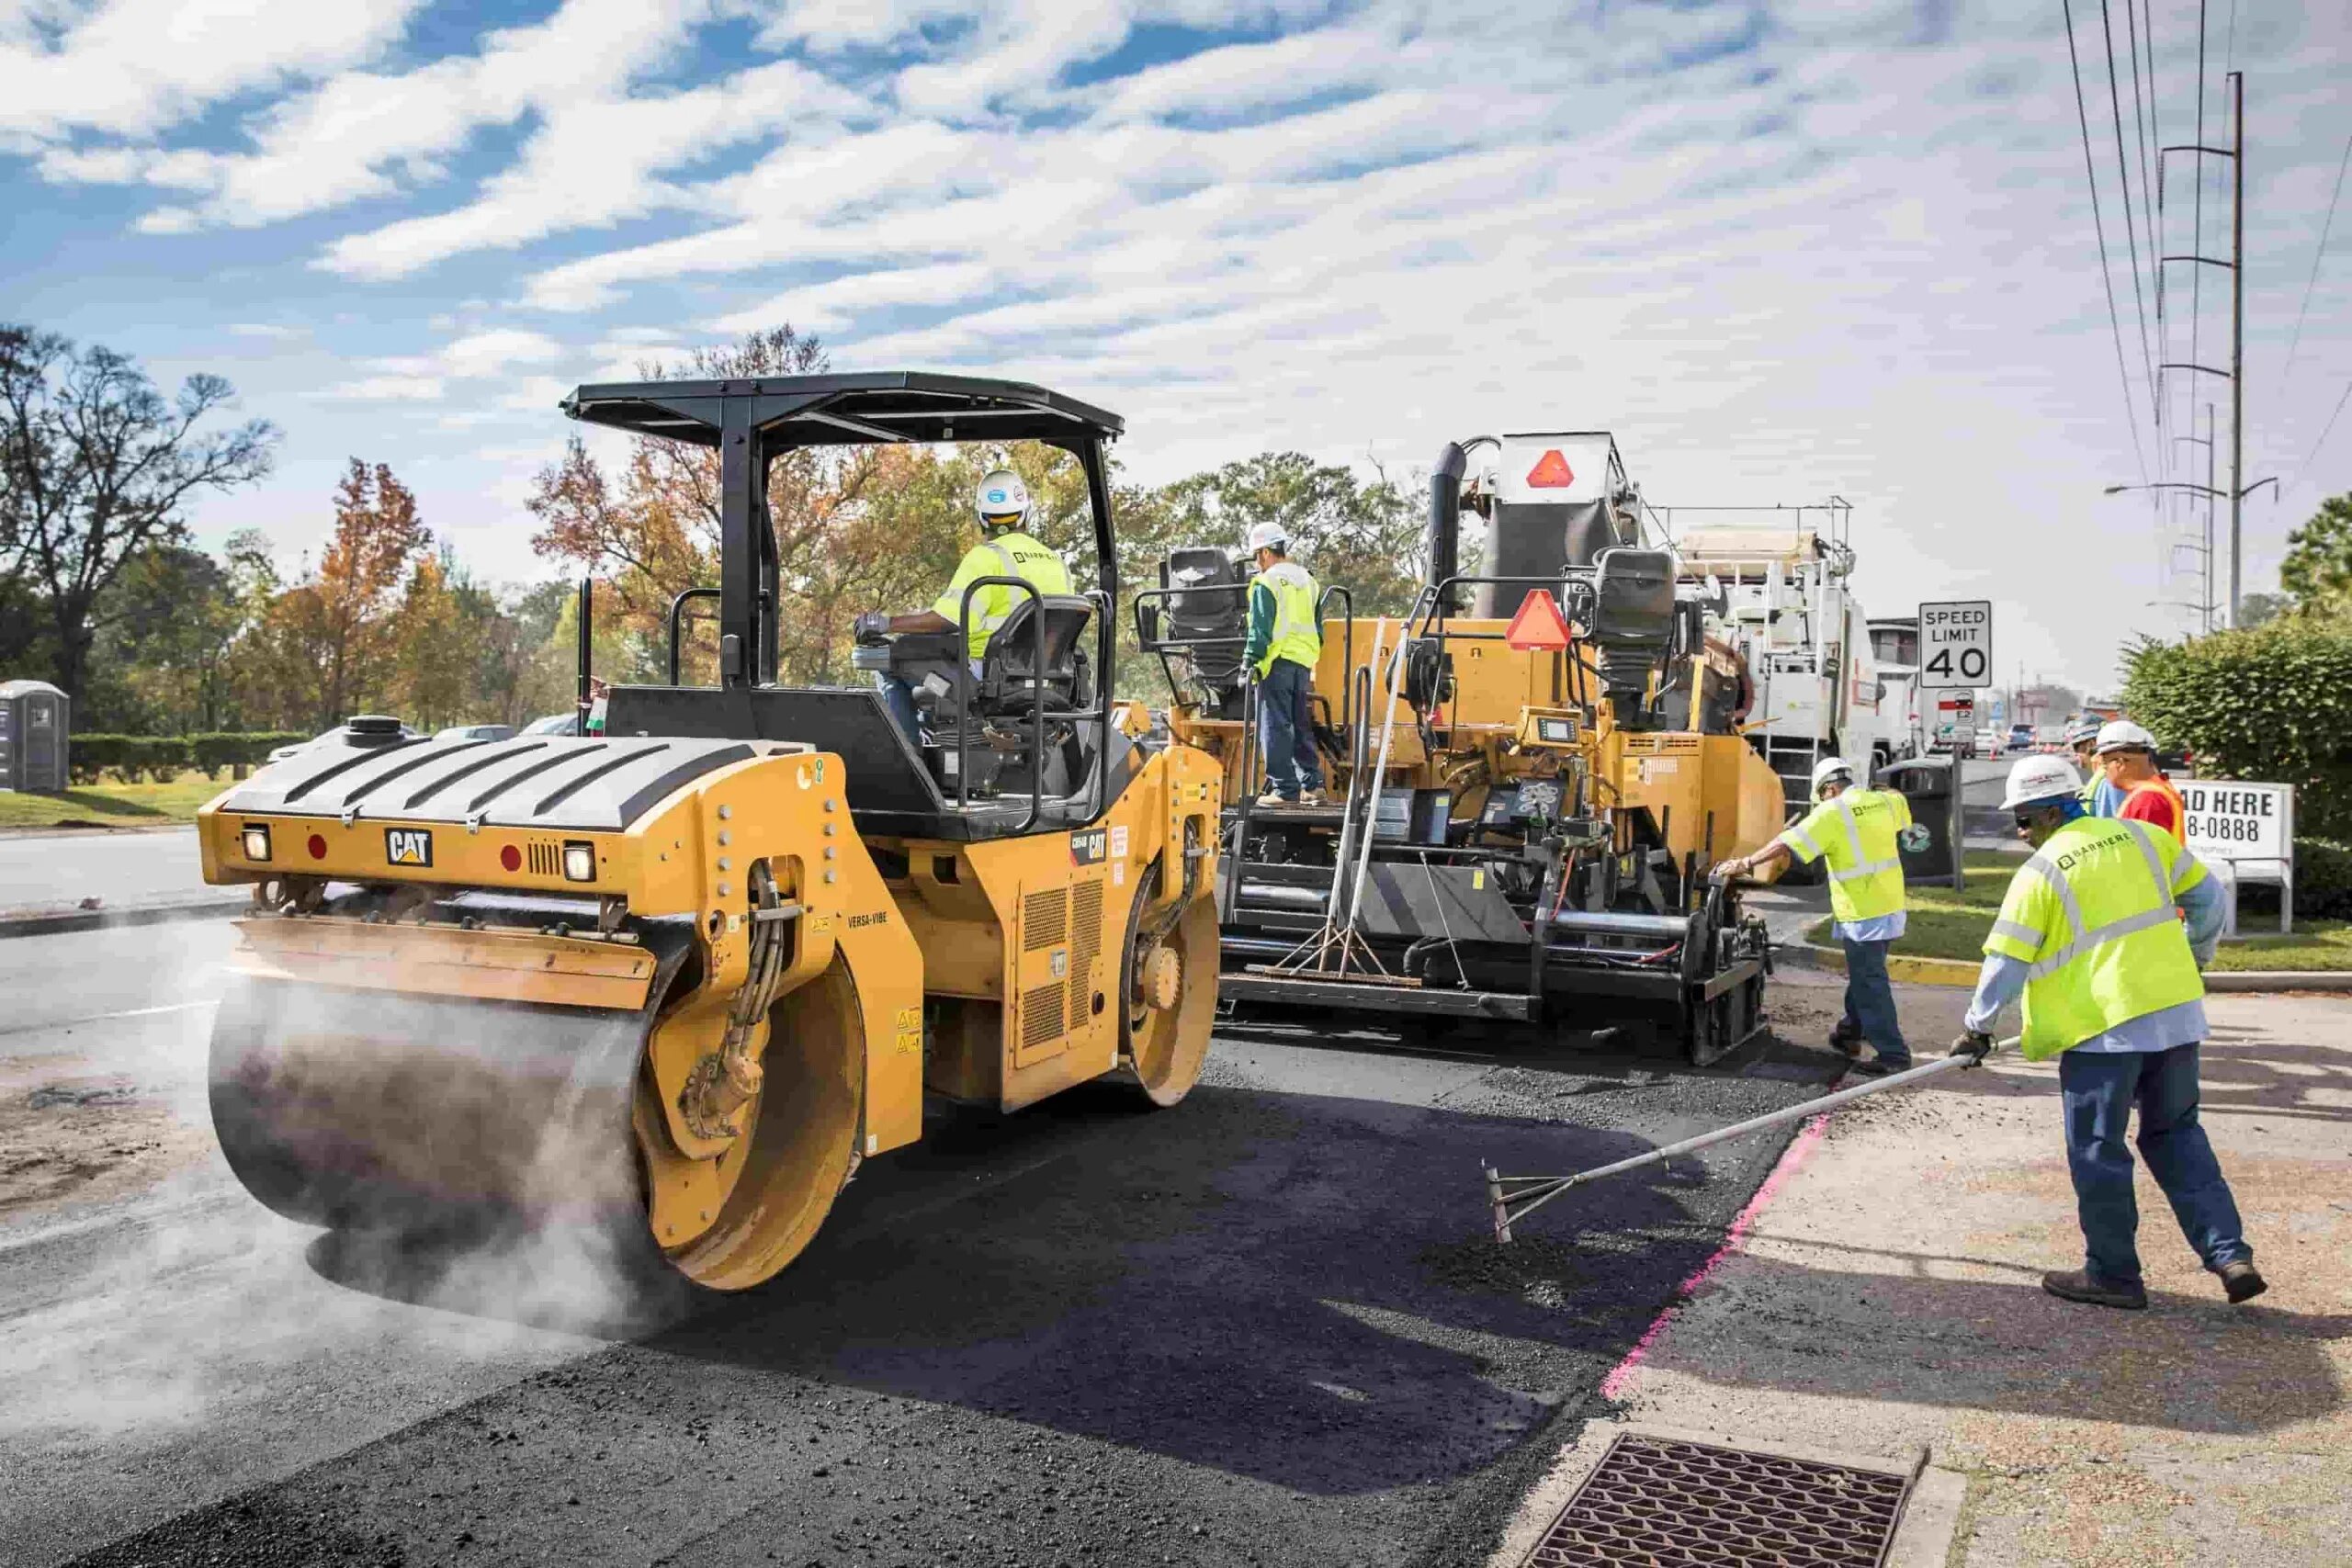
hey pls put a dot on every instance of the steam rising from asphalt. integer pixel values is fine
(151, 1317)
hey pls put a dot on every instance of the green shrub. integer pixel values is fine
(2323, 880)
(2272, 702)
(90, 756)
(163, 758)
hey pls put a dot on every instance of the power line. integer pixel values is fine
(2098, 226)
(2123, 177)
(2196, 165)
(2317, 257)
(2324, 431)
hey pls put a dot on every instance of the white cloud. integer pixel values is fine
(1782, 249)
(128, 67)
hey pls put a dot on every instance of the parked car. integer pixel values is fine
(476, 732)
(283, 752)
(554, 724)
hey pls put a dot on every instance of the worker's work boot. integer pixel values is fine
(1312, 798)
(1272, 798)
(1847, 1038)
(2242, 1281)
(2077, 1285)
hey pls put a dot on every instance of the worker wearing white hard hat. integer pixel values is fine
(2099, 798)
(1858, 835)
(2088, 941)
(1285, 639)
(2127, 757)
(1006, 549)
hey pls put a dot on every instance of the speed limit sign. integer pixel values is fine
(1956, 644)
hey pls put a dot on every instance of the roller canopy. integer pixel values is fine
(822, 410)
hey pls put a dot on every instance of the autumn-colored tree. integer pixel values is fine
(654, 532)
(330, 642)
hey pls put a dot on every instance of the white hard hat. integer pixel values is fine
(1003, 500)
(2040, 779)
(1269, 537)
(2122, 735)
(1830, 768)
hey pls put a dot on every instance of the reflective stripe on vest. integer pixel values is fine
(2135, 961)
(1295, 634)
(1864, 870)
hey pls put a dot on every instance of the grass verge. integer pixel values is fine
(112, 805)
(1950, 923)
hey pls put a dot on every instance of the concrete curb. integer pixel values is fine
(58, 922)
(1910, 971)
(1953, 972)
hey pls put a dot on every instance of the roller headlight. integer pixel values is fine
(580, 862)
(256, 836)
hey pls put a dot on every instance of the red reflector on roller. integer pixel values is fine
(510, 858)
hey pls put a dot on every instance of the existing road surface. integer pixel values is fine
(44, 871)
(1263, 1326)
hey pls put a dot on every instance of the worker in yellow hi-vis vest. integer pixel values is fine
(1005, 549)
(1857, 834)
(1283, 643)
(2091, 941)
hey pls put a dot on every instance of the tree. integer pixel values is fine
(330, 642)
(166, 630)
(95, 464)
(2317, 570)
(2254, 609)
(1364, 535)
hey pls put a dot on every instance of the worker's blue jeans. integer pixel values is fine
(1287, 729)
(2100, 1090)
(1870, 1002)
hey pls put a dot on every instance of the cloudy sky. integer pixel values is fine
(1781, 249)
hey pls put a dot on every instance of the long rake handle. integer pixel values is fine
(1534, 1191)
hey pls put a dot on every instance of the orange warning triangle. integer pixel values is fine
(1538, 625)
(1551, 471)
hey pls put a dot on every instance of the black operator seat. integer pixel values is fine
(1632, 624)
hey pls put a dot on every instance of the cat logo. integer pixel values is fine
(408, 846)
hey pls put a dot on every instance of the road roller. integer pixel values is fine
(666, 985)
(1533, 771)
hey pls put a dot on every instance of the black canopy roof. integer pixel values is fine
(822, 411)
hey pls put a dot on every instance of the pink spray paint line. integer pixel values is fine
(1791, 1157)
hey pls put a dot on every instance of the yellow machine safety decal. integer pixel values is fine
(1119, 842)
(1477, 880)
(910, 1041)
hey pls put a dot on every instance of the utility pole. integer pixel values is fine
(2237, 337)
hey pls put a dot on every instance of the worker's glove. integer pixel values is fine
(874, 626)
(1976, 1044)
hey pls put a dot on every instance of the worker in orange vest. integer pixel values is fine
(2127, 755)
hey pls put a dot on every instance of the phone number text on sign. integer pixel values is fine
(2227, 820)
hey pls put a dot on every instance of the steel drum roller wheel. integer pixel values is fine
(1164, 1046)
(801, 1143)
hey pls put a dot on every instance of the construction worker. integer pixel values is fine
(1857, 834)
(2088, 937)
(1283, 643)
(2127, 755)
(2099, 798)
(1004, 550)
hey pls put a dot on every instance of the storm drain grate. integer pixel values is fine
(1676, 1505)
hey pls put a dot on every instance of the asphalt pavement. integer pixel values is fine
(1265, 1326)
(119, 867)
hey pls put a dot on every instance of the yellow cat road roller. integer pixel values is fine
(668, 986)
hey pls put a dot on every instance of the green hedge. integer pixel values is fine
(2272, 702)
(163, 758)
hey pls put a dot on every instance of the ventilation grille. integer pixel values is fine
(1045, 920)
(1086, 940)
(1041, 1015)
(546, 860)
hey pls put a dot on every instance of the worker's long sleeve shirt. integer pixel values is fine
(2002, 981)
(1261, 623)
